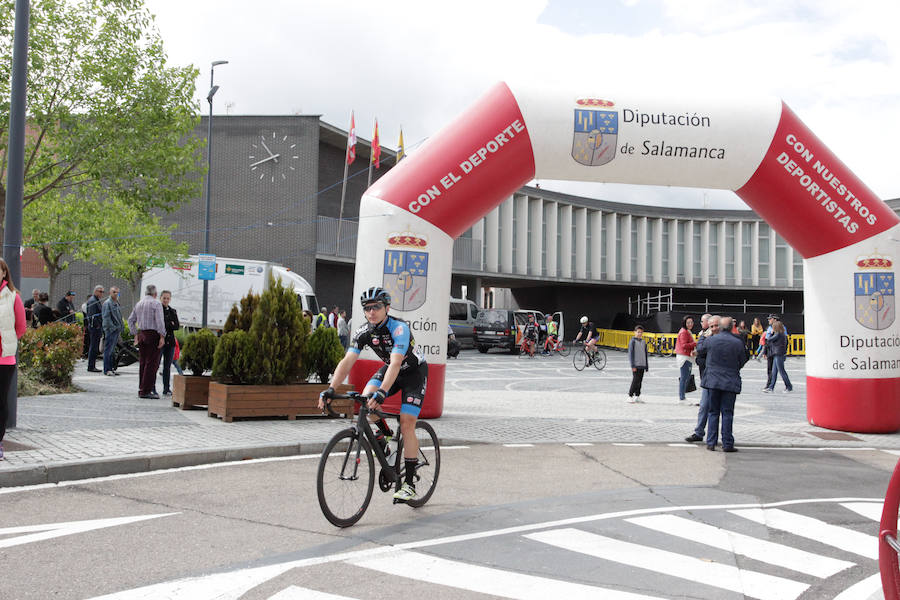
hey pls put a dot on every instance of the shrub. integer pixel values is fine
(235, 357)
(280, 331)
(323, 352)
(48, 353)
(241, 317)
(198, 352)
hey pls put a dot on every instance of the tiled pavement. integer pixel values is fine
(491, 398)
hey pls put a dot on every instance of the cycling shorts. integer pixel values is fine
(411, 383)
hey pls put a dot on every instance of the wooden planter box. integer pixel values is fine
(189, 391)
(230, 401)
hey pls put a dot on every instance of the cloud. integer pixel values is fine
(419, 64)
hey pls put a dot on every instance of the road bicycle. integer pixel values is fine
(663, 345)
(583, 358)
(560, 347)
(346, 476)
(527, 348)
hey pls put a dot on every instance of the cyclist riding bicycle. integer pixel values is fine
(588, 334)
(392, 341)
(530, 333)
(552, 334)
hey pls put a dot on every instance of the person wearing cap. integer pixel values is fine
(66, 307)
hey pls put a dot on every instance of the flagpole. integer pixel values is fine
(369, 182)
(341, 212)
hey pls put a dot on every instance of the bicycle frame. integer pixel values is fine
(362, 428)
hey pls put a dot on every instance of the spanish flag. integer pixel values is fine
(351, 141)
(376, 147)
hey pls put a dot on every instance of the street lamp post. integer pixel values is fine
(209, 98)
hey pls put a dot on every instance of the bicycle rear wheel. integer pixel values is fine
(599, 359)
(580, 360)
(429, 464)
(346, 478)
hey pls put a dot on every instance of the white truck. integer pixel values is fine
(233, 279)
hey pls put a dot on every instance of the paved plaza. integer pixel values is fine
(492, 399)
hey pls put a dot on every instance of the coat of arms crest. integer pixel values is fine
(596, 131)
(874, 295)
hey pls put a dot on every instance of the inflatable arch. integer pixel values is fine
(756, 147)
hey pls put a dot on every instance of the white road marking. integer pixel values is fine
(867, 589)
(626, 444)
(869, 510)
(299, 593)
(233, 584)
(814, 529)
(576, 444)
(485, 580)
(748, 583)
(49, 531)
(518, 445)
(745, 545)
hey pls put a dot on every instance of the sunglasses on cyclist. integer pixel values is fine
(372, 307)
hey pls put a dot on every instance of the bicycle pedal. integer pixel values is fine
(399, 501)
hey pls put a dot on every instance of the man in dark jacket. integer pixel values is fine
(724, 355)
(93, 318)
(66, 307)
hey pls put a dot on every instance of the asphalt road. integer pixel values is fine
(517, 521)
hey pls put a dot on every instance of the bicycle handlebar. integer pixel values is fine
(359, 399)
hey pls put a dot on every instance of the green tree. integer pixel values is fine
(126, 239)
(281, 331)
(241, 316)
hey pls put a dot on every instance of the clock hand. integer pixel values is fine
(259, 162)
(267, 148)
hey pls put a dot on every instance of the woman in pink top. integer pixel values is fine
(12, 327)
(684, 350)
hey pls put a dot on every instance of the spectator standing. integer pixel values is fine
(724, 356)
(12, 326)
(29, 304)
(639, 359)
(343, 328)
(769, 359)
(776, 348)
(333, 317)
(93, 321)
(744, 335)
(756, 331)
(147, 319)
(66, 307)
(321, 319)
(311, 318)
(684, 349)
(170, 317)
(43, 314)
(113, 326)
(712, 328)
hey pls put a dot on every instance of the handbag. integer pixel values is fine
(177, 350)
(691, 384)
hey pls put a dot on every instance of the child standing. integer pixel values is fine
(638, 358)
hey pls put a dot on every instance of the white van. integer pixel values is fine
(462, 320)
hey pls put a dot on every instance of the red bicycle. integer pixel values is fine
(527, 348)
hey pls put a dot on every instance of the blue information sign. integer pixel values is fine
(206, 268)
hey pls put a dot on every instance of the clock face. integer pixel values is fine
(273, 157)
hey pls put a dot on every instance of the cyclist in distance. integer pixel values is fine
(552, 334)
(531, 333)
(392, 341)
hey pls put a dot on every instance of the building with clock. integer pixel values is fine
(276, 184)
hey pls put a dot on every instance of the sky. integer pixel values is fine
(417, 64)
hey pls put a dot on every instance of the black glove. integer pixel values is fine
(379, 396)
(327, 394)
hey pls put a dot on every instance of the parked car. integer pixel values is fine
(498, 328)
(462, 320)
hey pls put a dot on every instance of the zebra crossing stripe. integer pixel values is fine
(486, 580)
(745, 545)
(748, 583)
(868, 588)
(869, 510)
(298, 593)
(813, 529)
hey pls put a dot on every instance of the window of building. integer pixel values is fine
(682, 226)
(632, 242)
(663, 275)
(714, 251)
(730, 230)
(617, 276)
(698, 248)
(798, 270)
(781, 260)
(603, 234)
(763, 254)
(589, 266)
(747, 252)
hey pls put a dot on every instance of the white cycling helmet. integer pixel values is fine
(584, 320)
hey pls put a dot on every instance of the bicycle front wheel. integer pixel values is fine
(580, 360)
(564, 349)
(428, 466)
(599, 359)
(346, 478)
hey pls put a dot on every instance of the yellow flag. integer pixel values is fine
(401, 152)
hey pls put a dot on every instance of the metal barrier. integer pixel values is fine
(888, 547)
(616, 338)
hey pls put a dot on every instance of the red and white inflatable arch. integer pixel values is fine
(757, 148)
